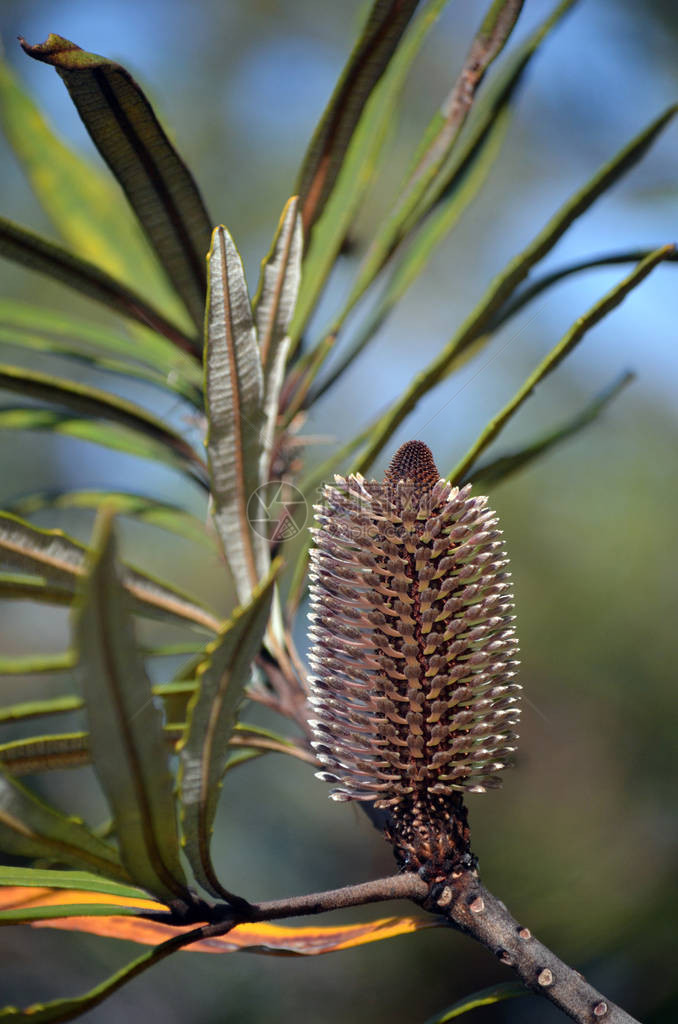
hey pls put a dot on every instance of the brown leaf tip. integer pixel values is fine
(413, 462)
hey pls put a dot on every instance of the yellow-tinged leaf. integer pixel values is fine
(300, 940)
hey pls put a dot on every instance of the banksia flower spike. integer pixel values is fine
(412, 652)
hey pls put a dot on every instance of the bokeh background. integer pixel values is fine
(581, 842)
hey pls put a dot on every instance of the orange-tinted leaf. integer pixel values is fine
(18, 897)
(304, 940)
(277, 940)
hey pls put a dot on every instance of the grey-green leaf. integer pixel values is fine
(30, 250)
(93, 403)
(31, 828)
(273, 307)
(159, 186)
(161, 514)
(494, 472)
(125, 726)
(83, 203)
(61, 560)
(234, 391)
(484, 997)
(386, 22)
(567, 343)
(212, 716)
(504, 284)
(67, 333)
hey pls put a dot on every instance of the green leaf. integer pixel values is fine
(36, 664)
(37, 708)
(25, 915)
(146, 510)
(11, 340)
(440, 205)
(84, 205)
(72, 749)
(107, 434)
(30, 828)
(159, 186)
(30, 250)
(234, 400)
(357, 169)
(42, 878)
(212, 714)
(125, 727)
(489, 474)
(61, 560)
(385, 25)
(486, 46)
(505, 283)
(145, 348)
(67, 1009)
(92, 403)
(567, 343)
(442, 220)
(273, 308)
(484, 997)
(45, 753)
(65, 661)
(541, 284)
(17, 587)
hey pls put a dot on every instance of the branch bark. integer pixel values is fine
(467, 906)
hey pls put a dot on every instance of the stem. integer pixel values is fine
(468, 905)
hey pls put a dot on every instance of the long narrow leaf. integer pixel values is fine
(72, 750)
(99, 432)
(357, 169)
(386, 22)
(65, 661)
(13, 344)
(541, 284)
(45, 753)
(36, 664)
(211, 721)
(156, 181)
(273, 308)
(84, 205)
(125, 728)
(486, 46)
(484, 997)
(67, 1009)
(30, 250)
(489, 474)
(258, 938)
(417, 257)
(30, 828)
(490, 107)
(61, 560)
(43, 878)
(234, 399)
(92, 403)
(36, 709)
(17, 587)
(507, 281)
(567, 343)
(145, 510)
(145, 348)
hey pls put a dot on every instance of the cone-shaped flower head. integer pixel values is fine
(412, 649)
